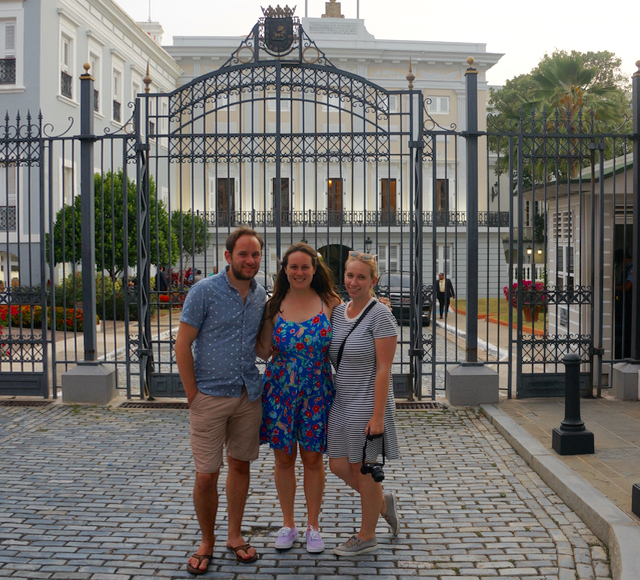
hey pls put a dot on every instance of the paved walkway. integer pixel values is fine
(102, 493)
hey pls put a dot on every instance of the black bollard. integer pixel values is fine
(635, 499)
(572, 438)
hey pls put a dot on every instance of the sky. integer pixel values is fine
(522, 31)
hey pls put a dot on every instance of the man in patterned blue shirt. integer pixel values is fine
(216, 352)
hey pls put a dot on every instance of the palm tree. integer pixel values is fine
(566, 84)
(566, 95)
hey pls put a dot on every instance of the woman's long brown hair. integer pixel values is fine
(322, 281)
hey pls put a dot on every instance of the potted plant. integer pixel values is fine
(534, 298)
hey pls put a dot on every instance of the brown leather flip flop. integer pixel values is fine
(200, 558)
(244, 548)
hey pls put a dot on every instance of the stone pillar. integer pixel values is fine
(472, 384)
(624, 381)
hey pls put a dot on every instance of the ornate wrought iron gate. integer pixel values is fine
(281, 140)
(570, 226)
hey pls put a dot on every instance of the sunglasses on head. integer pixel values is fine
(361, 255)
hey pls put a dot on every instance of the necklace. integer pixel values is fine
(304, 306)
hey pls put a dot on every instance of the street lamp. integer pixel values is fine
(529, 250)
(367, 245)
(539, 251)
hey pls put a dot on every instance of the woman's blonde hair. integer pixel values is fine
(367, 259)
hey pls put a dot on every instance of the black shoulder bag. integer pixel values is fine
(366, 310)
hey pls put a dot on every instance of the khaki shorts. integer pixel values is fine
(219, 421)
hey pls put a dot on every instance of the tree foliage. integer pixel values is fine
(565, 95)
(109, 224)
(191, 230)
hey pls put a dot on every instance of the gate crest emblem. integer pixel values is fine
(278, 28)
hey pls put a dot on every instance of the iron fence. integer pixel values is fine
(301, 150)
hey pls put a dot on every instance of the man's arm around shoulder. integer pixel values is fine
(184, 357)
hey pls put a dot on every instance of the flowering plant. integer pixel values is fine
(535, 297)
(175, 299)
(179, 278)
(4, 349)
(70, 319)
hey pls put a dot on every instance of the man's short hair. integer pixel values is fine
(238, 233)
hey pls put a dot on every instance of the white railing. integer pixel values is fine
(526, 272)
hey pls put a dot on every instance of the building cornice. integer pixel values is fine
(121, 19)
(421, 52)
(98, 39)
(67, 15)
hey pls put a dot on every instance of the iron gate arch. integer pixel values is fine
(297, 149)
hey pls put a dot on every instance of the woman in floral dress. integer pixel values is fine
(298, 388)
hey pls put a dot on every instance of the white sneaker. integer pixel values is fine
(315, 544)
(286, 538)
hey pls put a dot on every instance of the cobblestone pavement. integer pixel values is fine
(105, 494)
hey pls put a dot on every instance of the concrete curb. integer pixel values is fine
(608, 522)
(491, 349)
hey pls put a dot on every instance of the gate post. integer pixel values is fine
(88, 213)
(471, 383)
(143, 195)
(471, 76)
(635, 289)
(89, 382)
(278, 178)
(416, 146)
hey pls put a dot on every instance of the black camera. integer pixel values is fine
(373, 467)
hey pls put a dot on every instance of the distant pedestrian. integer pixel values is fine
(198, 276)
(161, 280)
(444, 293)
(624, 304)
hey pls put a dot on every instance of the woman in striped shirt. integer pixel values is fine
(364, 402)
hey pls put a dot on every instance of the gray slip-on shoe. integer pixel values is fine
(354, 546)
(392, 517)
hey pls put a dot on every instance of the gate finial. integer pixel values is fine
(87, 75)
(147, 80)
(411, 77)
(637, 73)
(471, 70)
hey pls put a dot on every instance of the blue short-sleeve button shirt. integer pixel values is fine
(224, 353)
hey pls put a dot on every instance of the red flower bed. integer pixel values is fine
(31, 317)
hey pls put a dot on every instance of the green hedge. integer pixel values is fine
(109, 301)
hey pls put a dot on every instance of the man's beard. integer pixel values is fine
(237, 273)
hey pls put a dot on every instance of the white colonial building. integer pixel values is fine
(45, 45)
(439, 71)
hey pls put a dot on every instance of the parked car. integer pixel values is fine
(397, 286)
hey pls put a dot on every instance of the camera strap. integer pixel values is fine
(366, 310)
(371, 438)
